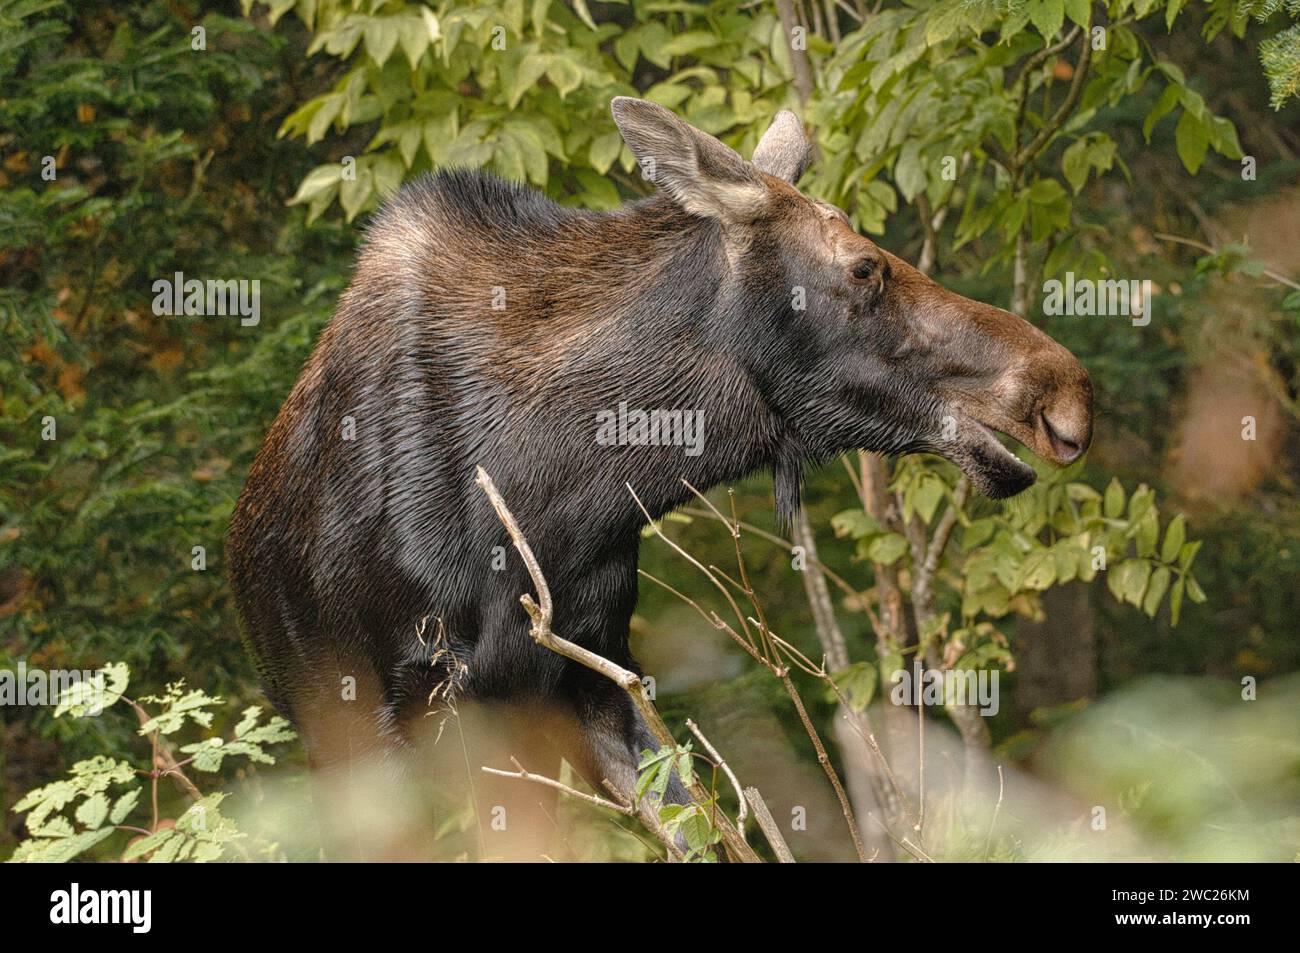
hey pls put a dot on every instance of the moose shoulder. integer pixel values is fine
(726, 325)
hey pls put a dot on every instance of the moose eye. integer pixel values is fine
(866, 270)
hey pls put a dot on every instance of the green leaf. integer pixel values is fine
(1174, 536)
(1192, 138)
(382, 34)
(1074, 163)
(564, 73)
(693, 827)
(929, 492)
(92, 811)
(625, 49)
(93, 695)
(1046, 191)
(354, 192)
(1133, 575)
(123, 806)
(1148, 531)
(319, 180)
(1164, 105)
(909, 172)
(1039, 571)
(944, 21)
(530, 69)
(1223, 136)
(887, 549)
(686, 767)
(1113, 503)
(580, 8)
(179, 705)
(387, 170)
(415, 35)
(1047, 16)
(59, 850)
(604, 150)
(857, 684)
(1156, 591)
(1081, 492)
(683, 44)
(538, 16)
(855, 524)
(977, 533)
(147, 844)
(1176, 600)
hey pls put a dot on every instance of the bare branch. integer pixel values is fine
(819, 597)
(541, 611)
(768, 825)
(697, 564)
(923, 578)
(1050, 128)
(988, 841)
(798, 57)
(1211, 250)
(525, 775)
(721, 762)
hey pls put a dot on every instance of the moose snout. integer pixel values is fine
(1063, 422)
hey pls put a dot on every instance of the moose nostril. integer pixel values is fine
(1065, 446)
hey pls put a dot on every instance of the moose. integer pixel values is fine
(487, 325)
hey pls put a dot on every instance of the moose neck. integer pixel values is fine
(657, 346)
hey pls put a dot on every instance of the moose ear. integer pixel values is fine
(784, 150)
(701, 174)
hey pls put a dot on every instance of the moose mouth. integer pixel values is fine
(993, 469)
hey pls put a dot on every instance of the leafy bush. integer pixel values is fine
(101, 796)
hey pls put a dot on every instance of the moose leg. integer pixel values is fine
(605, 745)
(516, 821)
(364, 778)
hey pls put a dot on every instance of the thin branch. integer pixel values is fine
(767, 824)
(164, 763)
(1050, 128)
(1043, 55)
(919, 826)
(725, 768)
(1211, 250)
(524, 775)
(540, 613)
(712, 618)
(782, 672)
(856, 721)
(904, 843)
(928, 565)
(840, 582)
(819, 597)
(654, 525)
(825, 761)
(988, 841)
(803, 83)
(854, 14)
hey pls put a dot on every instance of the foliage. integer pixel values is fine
(543, 75)
(126, 433)
(1057, 531)
(692, 824)
(93, 790)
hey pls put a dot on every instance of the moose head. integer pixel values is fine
(849, 344)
